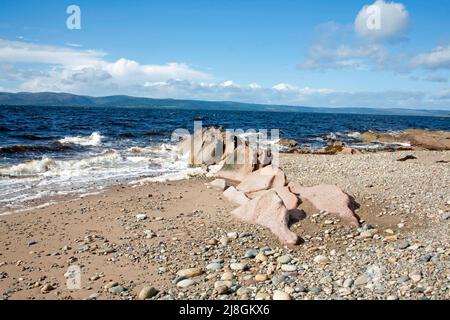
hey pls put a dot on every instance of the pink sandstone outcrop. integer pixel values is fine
(235, 196)
(328, 198)
(262, 191)
(268, 211)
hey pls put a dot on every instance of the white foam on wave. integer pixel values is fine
(94, 140)
(47, 178)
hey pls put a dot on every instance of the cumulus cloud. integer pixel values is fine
(72, 68)
(438, 58)
(382, 21)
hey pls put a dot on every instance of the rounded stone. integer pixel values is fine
(281, 295)
(147, 293)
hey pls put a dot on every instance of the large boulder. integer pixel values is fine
(263, 179)
(235, 196)
(268, 211)
(238, 164)
(328, 198)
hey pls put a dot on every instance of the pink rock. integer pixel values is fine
(328, 198)
(218, 184)
(290, 200)
(235, 196)
(263, 179)
(269, 211)
(239, 164)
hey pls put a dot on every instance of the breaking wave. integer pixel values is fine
(94, 140)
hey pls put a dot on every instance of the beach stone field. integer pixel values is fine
(178, 240)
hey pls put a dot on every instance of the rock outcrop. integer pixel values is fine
(261, 189)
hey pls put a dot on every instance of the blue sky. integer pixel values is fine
(315, 53)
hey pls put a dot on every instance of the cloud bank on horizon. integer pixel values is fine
(377, 44)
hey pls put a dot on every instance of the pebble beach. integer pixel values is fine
(177, 240)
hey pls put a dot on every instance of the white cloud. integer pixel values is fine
(382, 20)
(438, 58)
(26, 52)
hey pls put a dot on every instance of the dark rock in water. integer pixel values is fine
(290, 143)
(409, 157)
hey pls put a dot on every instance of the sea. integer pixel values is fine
(52, 152)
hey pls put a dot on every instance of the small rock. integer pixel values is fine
(281, 295)
(214, 266)
(227, 276)
(403, 244)
(425, 258)
(47, 288)
(232, 235)
(392, 297)
(284, 259)
(218, 184)
(117, 290)
(288, 268)
(279, 278)
(261, 257)
(251, 253)
(403, 279)
(185, 283)
(141, 217)
(348, 283)
(190, 273)
(261, 277)
(147, 293)
(361, 280)
(321, 259)
(416, 277)
(238, 266)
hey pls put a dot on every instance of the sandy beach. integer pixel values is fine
(130, 238)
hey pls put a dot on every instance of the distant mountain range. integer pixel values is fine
(71, 100)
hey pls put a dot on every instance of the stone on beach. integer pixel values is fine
(219, 184)
(268, 211)
(328, 198)
(190, 273)
(235, 196)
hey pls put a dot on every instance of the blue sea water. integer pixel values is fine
(55, 151)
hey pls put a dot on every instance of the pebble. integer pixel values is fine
(261, 257)
(416, 277)
(288, 268)
(251, 253)
(361, 280)
(232, 235)
(47, 288)
(321, 259)
(279, 278)
(141, 217)
(403, 244)
(316, 290)
(117, 290)
(403, 279)
(147, 293)
(284, 259)
(227, 276)
(214, 266)
(261, 277)
(348, 283)
(392, 297)
(185, 283)
(281, 295)
(190, 273)
(238, 266)
(425, 258)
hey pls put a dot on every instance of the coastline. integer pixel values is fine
(188, 222)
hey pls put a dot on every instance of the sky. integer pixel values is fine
(323, 53)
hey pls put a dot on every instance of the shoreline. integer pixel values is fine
(190, 226)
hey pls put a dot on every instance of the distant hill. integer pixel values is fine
(71, 100)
